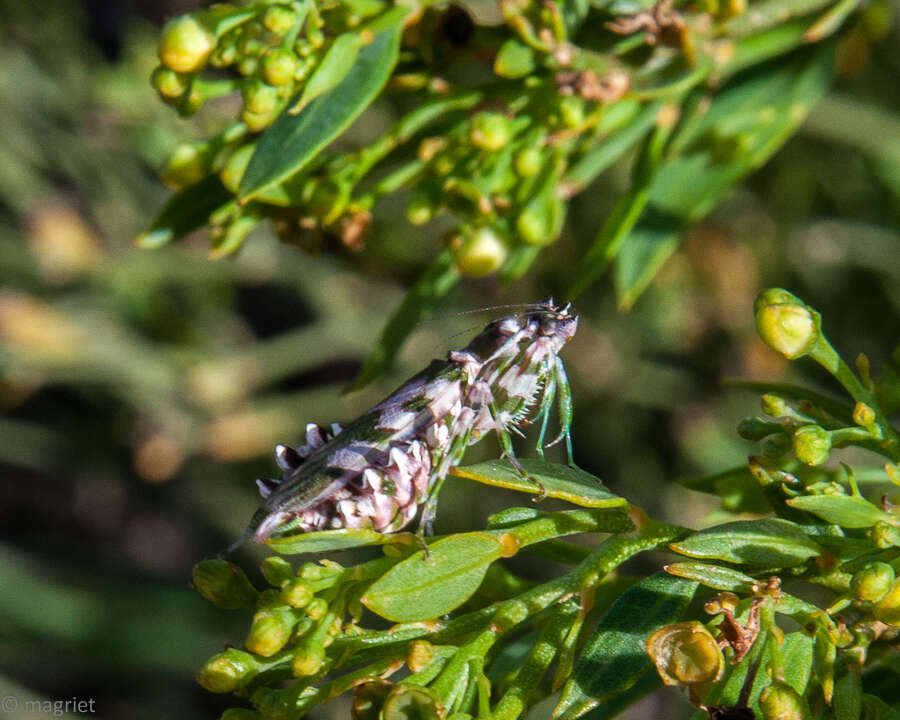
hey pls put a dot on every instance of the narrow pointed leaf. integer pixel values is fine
(560, 481)
(848, 511)
(421, 588)
(325, 540)
(769, 542)
(614, 668)
(293, 140)
(187, 210)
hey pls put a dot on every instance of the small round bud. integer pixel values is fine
(480, 253)
(685, 654)
(812, 444)
(297, 593)
(234, 169)
(188, 165)
(368, 699)
(247, 65)
(774, 405)
(539, 222)
(278, 19)
(780, 701)
(885, 535)
(571, 111)
(490, 130)
(257, 122)
(270, 631)
(224, 584)
(185, 45)
(307, 661)
(169, 84)
(863, 415)
(279, 66)
(411, 702)
(785, 323)
(873, 582)
(260, 98)
(421, 207)
(224, 55)
(887, 610)
(226, 671)
(317, 608)
(528, 162)
(276, 570)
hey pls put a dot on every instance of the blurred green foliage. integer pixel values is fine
(142, 392)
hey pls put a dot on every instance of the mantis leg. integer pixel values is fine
(565, 409)
(509, 453)
(546, 403)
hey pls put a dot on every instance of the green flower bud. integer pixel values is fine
(490, 130)
(317, 609)
(270, 631)
(249, 46)
(873, 582)
(786, 324)
(247, 65)
(257, 122)
(276, 570)
(297, 593)
(307, 661)
(224, 55)
(780, 701)
(169, 84)
(774, 405)
(515, 59)
(304, 625)
(812, 444)
(411, 702)
(260, 98)
(887, 610)
(479, 253)
(863, 415)
(227, 671)
(185, 45)
(571, 111)
(368, 699)
(279, 66)
(279, 19)
(421, 206)
(541, 220)
(685, 654)
(886, 535)
(224, 584)
(234, 169)
(189, 164)
(528, 162)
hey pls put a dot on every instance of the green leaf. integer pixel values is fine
(745, 124)
(877, 709)
(769, 542)
(848, 697)
(422, 588)
(514, 60)
(560, 481)
(187, 210)
(420, 300)
(325, 540)
(614, 669)
(849, 511)
(338, 60)
(712, 576)
(293, 140)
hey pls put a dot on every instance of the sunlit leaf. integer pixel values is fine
(769, 542)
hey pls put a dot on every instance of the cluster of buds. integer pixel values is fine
(293, 623)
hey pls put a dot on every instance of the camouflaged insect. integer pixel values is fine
(376, 471)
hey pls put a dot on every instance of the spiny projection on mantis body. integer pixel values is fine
(377, 471)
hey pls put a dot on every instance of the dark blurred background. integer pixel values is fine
(142, 392)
